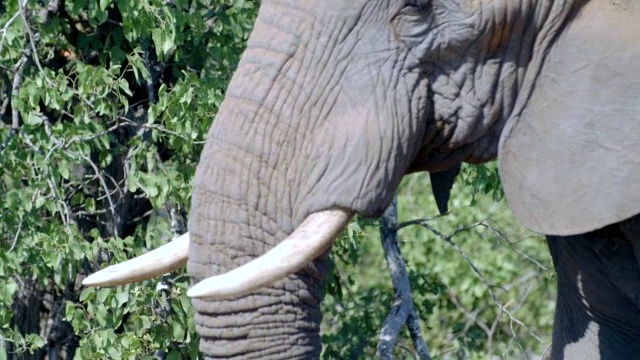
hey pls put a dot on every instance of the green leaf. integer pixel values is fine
(101, 315)
(34, 341)
(69, 311)
(90, 204)
(163, 41)
(64, 170)
(87, 294)
(174, 355)
(104, 4)
(177, 331)
(102, 295)
(122, 298)
(33, 119)
(114, 353)
(124, 85)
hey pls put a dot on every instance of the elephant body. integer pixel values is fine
(598, 304)
(334, 101)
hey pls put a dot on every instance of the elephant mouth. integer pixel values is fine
(312, 238)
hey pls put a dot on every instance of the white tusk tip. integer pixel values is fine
(101, 278)
(110, 276)
(196, 292)
(214, 288)
(154, 263)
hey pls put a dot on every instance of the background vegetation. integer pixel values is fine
(104, 108)
(482, 284)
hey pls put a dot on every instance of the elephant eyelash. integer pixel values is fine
(420, 6)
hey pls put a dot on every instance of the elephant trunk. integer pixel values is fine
(244, 204)
(274, 322)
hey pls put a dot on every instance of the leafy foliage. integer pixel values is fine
(504, 310)
(104, 108)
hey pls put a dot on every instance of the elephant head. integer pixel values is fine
(334, 101)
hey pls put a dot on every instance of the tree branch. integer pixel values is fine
(5, 29)
(34, 39)
(403, 311)
(449, 239)
(30, 52)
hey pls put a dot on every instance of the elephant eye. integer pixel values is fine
(418, 5)
(413, 19)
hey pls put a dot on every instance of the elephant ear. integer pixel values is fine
(570, 161)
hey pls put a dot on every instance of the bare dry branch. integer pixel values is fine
(95, 168)
(19, 68)
(403, 311)
(35, 38)
(467, 258)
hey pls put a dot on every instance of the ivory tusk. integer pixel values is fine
(154, 263)
(310, 240)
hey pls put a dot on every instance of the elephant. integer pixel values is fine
(334, 101)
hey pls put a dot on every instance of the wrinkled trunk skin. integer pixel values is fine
(241, 209)
(243, 205)
(598, 305)
(279, 322)
(239, 214)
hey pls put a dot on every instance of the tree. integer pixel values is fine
(104, 107)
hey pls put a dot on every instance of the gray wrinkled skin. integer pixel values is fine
(332, 104)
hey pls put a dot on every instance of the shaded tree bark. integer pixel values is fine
(403, 311)
(26, 318)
